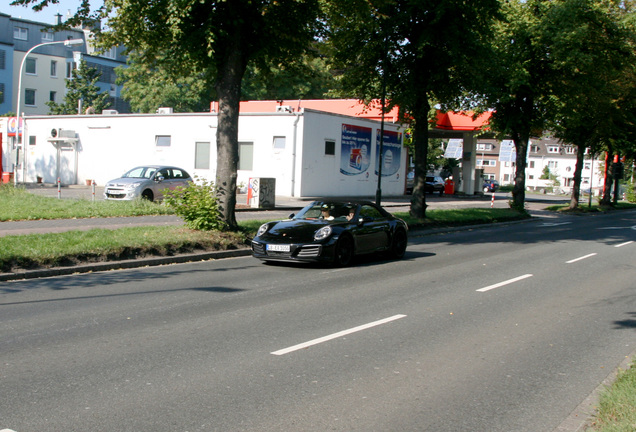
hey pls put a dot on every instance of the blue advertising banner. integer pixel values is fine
(391, 152)
(355, 153)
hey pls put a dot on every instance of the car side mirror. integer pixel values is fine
(159, 179)
(291, 216)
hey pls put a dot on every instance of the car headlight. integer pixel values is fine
(323, 233)
(262, 230)
(132, 185)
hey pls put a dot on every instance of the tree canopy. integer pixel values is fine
(418, 50)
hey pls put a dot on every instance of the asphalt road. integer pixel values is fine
(504, 328)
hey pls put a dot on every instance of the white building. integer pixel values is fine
(308, 152)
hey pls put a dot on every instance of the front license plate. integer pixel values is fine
(278, 248)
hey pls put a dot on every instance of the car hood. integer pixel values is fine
(295, 231)
(126, 181)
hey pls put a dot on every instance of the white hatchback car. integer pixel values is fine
(146, 182)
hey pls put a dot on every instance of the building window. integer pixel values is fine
(330, 147)
(162, 140)
(29, 97)
(246, 156)
(530, 177)
(53, 68)
(486, 162)
(1, 93)
(70, 67)
(52, 96)
(31, 66)
(484, 146)
(587, 166)
(202, 155)
(553, 149)
(534, 149)
(3, 59)
(531, 164)
(20, 33)
(111, 53)
(279, 143)
(552, 164)
(47, 37)
(31, 140)
(570, 150)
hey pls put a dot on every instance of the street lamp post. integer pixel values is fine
(68, 42)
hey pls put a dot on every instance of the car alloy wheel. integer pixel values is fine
(398, 246)
(344, 251)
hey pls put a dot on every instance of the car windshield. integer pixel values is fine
(326, 210)
(140, 172)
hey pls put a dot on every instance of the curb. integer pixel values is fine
(125, 264)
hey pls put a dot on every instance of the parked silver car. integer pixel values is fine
(146, 182)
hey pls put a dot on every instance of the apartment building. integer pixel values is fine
(47, 67)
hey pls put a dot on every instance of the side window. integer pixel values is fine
(165, 173)
(369, 211)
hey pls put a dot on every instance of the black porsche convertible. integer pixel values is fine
(331, 232)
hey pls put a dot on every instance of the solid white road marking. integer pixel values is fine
(500, 284)
(580, 258)
(555, 224)
(6, 430)
(619, 245)
(335, 335)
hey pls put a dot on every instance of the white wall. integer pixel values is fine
(109, 145)
(322, 175)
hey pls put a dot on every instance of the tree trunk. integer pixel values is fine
(606, 200)
(420, 145)
(519, 189)
(576, 187)
(228, 87)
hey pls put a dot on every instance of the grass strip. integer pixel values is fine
(617, 405)
(97, 245)
(460, 217)
(20, 204)
(584, 208)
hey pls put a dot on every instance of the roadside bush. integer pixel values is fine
(197, 205)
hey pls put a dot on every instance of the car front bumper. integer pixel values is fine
(311, 252)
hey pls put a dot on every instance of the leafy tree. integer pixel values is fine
(519, 82)
(412, 51)
(220, 38)
(307, 77)
(82, 86)
(545, 175)
(594, 77)
(149, 86)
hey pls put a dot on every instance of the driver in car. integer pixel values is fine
(325, 213)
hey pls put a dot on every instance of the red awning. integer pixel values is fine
(462, 121)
